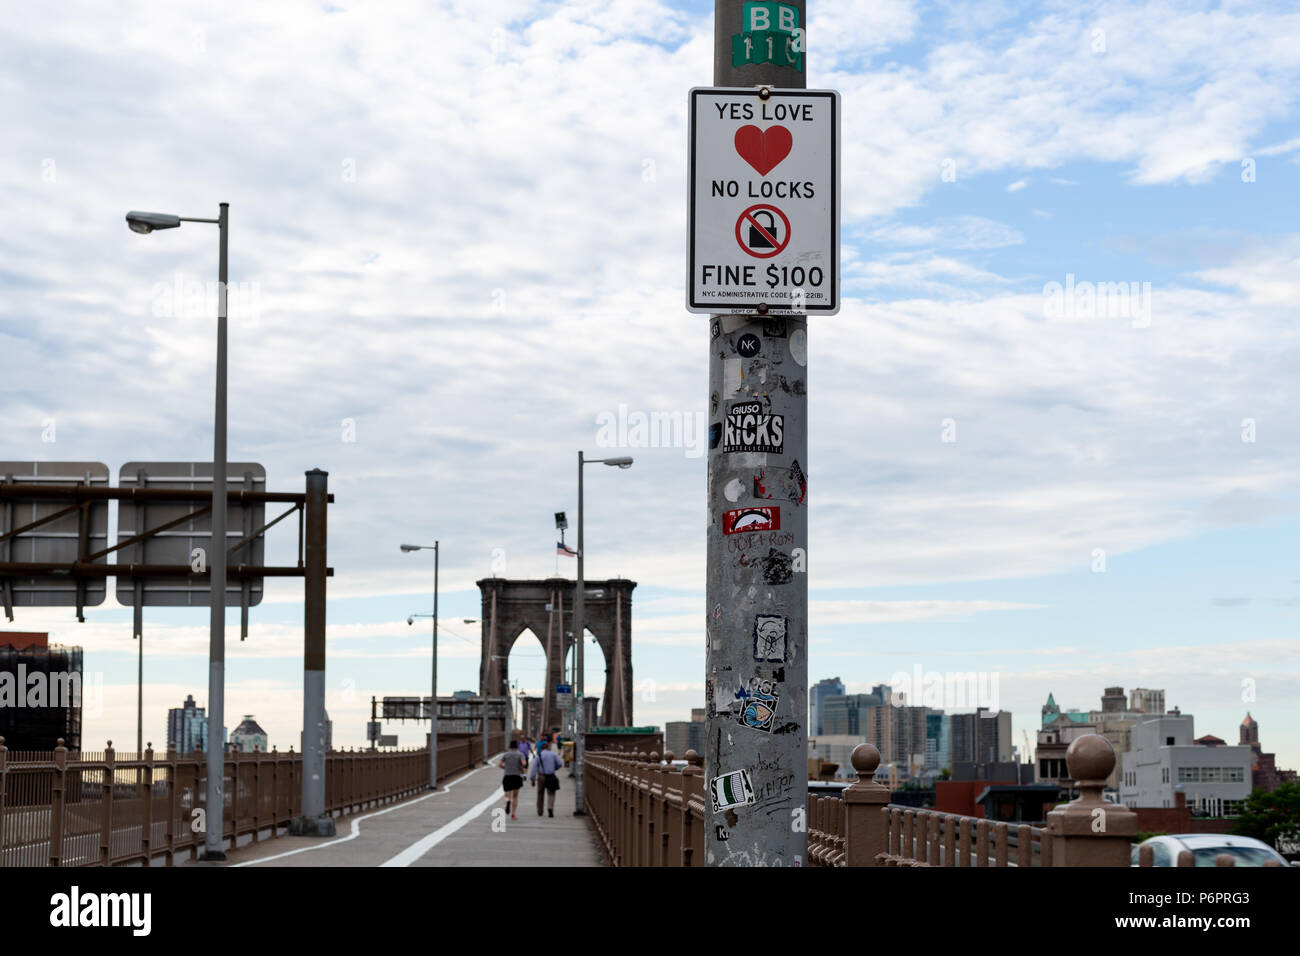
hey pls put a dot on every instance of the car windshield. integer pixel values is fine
(1241, 855)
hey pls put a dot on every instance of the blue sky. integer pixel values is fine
(461, 228)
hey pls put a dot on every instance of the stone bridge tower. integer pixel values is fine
(546, 608)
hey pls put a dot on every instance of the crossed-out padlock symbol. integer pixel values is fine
(756, 238)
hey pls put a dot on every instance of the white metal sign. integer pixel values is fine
(57, 534)
(764, 201)
(178, 545)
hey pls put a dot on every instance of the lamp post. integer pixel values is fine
(579, 625)
(433, 698)
(145, 223)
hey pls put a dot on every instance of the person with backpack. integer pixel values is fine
(545, 765)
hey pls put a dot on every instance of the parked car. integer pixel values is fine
(1205, 847)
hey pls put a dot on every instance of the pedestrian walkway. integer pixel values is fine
(464, 824)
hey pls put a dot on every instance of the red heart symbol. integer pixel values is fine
(763, 149)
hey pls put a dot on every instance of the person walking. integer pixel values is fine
(512, 781)
(545, 765)
(517, 743)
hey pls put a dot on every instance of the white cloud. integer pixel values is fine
(852, 612)
(1279, 149)
(1265, 275)
(471, 251)
(1036, 97)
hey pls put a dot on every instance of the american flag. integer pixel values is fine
(564, 549)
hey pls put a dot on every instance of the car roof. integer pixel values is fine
(1198, 841)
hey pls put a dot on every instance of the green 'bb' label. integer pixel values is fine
(770, 33)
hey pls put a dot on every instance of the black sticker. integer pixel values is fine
(778, 568)
(774, 328)
(800, 482)
(715, 329)
(715, 434)
(749, 345)
(749, 428)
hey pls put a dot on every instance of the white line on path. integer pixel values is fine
(356, 824)
(427, 843)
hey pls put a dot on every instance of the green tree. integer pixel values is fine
(1271, 817)
(945, 774)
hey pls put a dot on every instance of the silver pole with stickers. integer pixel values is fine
(756, 663)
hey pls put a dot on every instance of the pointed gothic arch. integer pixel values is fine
(546, 608)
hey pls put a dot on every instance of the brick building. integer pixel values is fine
(1263, 766)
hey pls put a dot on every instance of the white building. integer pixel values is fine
(1147, 700)
(249, 737)
(1163, 756)
(836, 749)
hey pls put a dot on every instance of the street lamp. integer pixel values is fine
(145, 223)
(579, 626)
(433, 699)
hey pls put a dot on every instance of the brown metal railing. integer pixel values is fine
(930, 838)
(67, 808)
(650, 813)
(647, 813)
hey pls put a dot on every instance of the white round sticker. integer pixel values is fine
(799, 346)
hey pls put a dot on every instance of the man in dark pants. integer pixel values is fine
(545, 766)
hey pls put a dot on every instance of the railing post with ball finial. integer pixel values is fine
(864, 824)
(1089, 830)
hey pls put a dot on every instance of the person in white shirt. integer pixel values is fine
(546, 765)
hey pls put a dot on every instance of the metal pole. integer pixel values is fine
(139, 672)
(433, 702)
(215, 791)
(314, 821)
(757, 626)
(579, 626)
(141, 479)
(485, 728)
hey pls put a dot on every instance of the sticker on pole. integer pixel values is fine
(764, 201)
(770, 33)
(731, 790)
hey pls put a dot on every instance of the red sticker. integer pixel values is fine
(743, 520)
